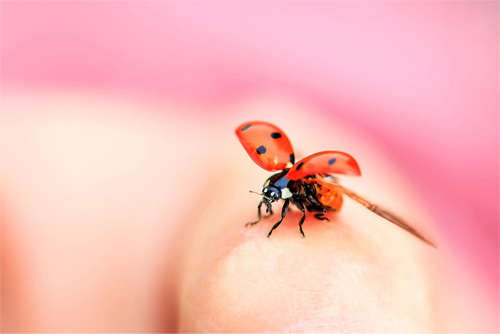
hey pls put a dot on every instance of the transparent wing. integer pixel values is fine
(384, 214)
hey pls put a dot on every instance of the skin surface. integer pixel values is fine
(125, 216)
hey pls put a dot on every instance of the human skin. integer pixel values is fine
(125, 216)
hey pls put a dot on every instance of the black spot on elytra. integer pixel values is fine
(332, 161)
(246, 127)
(261, 150)
(276, 135)
(292, 158)
(299, 166)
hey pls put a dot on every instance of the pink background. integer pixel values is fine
(419, 79)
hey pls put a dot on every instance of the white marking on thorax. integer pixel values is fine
(286, 193)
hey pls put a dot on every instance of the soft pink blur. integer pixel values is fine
(419, 79)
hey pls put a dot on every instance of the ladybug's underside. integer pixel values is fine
(315, 193)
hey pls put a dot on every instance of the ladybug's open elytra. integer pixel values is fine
(307, 184)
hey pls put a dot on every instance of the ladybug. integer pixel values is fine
(307, 184)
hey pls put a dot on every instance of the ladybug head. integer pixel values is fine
(270, 194)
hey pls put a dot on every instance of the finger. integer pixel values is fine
(90, 217)
(357, 273)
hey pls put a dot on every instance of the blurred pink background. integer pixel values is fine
(418, 79)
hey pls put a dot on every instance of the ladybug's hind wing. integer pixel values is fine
(267, 145)
(384, 214)
(326, 162)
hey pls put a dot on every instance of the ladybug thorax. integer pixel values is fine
(277, 186)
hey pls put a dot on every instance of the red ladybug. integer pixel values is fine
(307, 184)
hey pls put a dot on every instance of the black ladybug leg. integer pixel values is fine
(270, 210)
(321, 216)
(259, 216)
(300, 206)
(283, 214)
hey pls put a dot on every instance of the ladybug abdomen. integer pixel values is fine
(325, 192)
(329, 196)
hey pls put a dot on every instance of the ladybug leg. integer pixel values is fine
(321, 216)
(259, 215)
(283, 214)
(270, 210)
(300, 206)
(321, 212)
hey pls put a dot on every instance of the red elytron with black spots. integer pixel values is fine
(307, 184)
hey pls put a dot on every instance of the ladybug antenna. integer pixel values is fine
(255, 192)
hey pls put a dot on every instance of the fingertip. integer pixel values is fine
(335, 279)
(356, 273)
